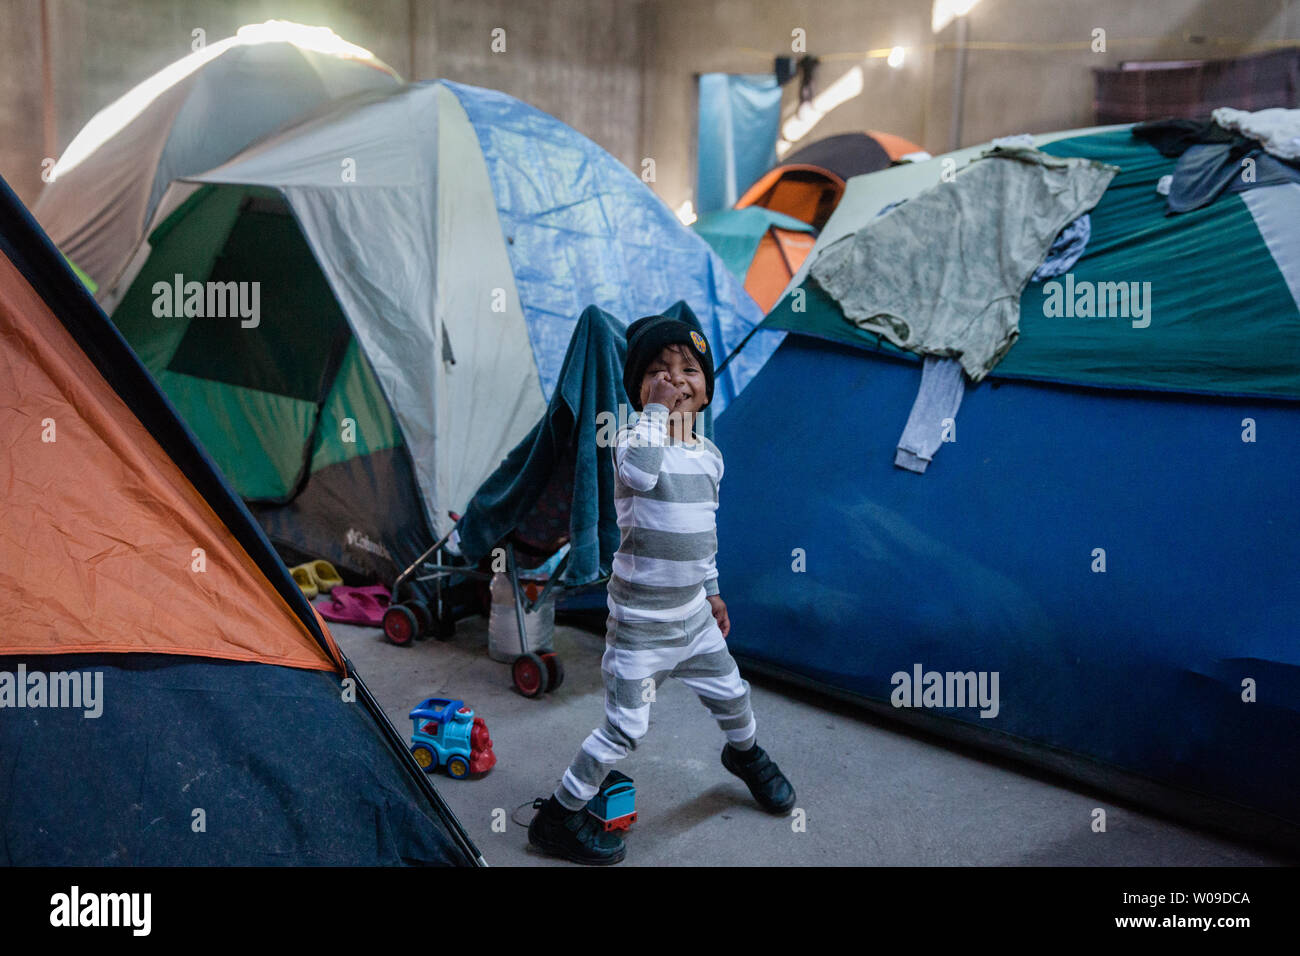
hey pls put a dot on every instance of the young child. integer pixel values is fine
(666, 618)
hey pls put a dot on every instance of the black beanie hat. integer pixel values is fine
(647, 337)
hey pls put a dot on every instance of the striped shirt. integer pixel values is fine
(666, 495)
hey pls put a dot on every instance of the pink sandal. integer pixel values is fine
(363, 606)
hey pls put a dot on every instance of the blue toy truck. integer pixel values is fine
(615, 802)
(447, 734)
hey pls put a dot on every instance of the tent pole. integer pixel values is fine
(396, 741)
(748, 335)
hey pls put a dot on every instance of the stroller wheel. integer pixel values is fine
(554, 670)
(400, 625)
(423, 617)
(530, 675)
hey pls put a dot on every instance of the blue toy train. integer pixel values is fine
(448, 734)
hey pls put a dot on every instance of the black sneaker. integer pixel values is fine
(575, 835)
(764, 778)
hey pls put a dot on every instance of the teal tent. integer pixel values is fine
(1110, 535)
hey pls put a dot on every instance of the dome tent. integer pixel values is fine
(172, 662)
(763, 249)
(767, 236)
(422, 257)
(187, 118)
(809, 182)
(1090, 433)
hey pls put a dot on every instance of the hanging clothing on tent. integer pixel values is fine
(589, 390)
(937, 401)
(1207, 170)
(1173, 137)
(1066, 249)
(998, 218)
(1233, 152)
(1277, 130)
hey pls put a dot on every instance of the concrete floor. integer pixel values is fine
(873, 792)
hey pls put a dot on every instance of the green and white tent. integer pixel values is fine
(330, 415)
(418, 259)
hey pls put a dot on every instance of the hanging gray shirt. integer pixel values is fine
(942, 273)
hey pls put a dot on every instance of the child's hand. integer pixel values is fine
(720, 614)
(663, 392)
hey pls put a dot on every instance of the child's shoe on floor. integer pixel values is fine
(575, 835)
(763, 777)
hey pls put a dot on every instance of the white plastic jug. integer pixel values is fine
(503, 627)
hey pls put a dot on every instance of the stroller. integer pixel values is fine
(535, 553)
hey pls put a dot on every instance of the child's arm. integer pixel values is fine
(711, 579)
(716, 604)
(640, 451)
(719, 609)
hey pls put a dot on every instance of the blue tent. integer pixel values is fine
(1173, 675)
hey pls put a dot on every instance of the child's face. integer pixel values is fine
(684, 374)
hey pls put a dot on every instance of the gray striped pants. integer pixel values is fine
(639, 656)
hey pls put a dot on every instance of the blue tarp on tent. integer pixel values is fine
(986, 563)
(636, 258)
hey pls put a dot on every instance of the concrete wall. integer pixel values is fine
(580, 60)
(1032, 80)
(623, 71)
(21, 147)
(1028, 90)
(732, 36)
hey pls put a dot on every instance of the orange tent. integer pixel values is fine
(762, 248)
(154, 646)
(809, 183)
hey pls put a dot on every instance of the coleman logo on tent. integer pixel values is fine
(699, 342)
(357, 539)
(208, 300)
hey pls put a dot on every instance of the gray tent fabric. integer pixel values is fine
(415, 254)
(192, 115)
(942, 274)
